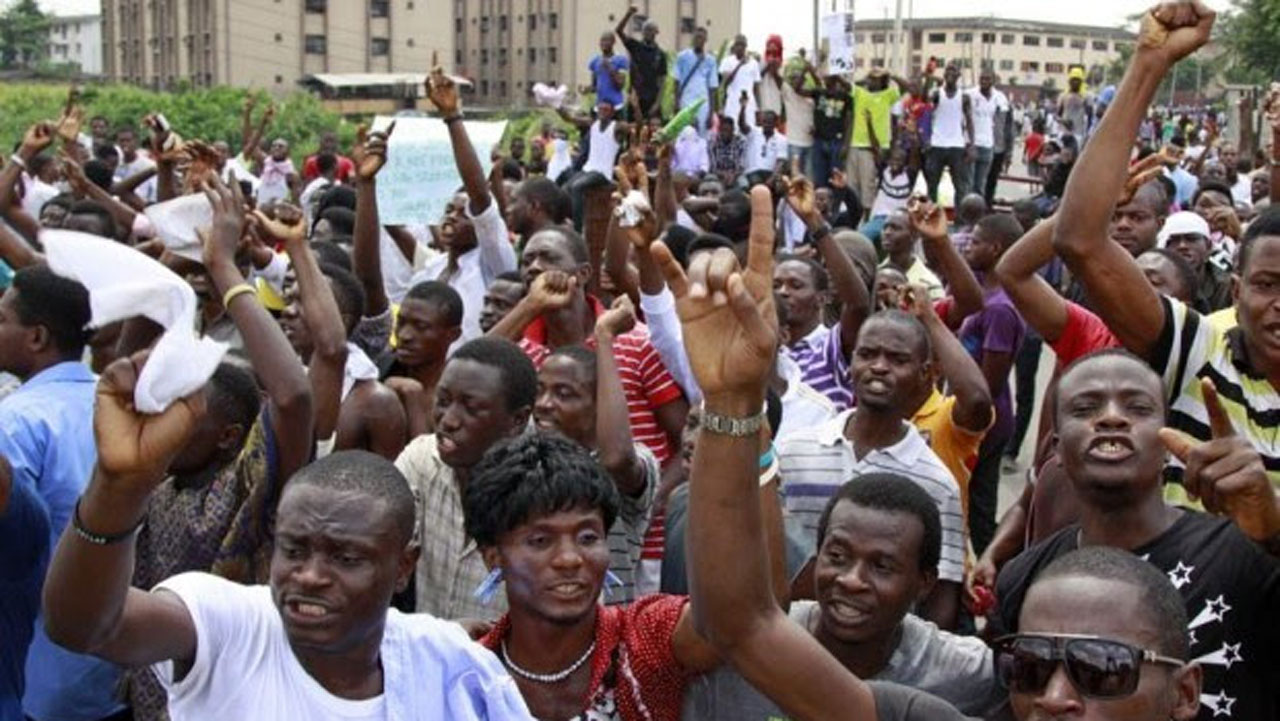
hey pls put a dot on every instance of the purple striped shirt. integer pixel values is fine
(823, 365)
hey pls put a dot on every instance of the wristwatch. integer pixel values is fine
(730, 426)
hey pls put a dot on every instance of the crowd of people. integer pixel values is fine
(729, 450)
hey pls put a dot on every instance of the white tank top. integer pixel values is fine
(604, 150)
(948, 120)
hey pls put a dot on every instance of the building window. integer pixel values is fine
(533, 22)
(1100, 45)
(937, 37)
(1032, 40)
(1054, 68)
(1053, 42)
(551, 55)
(988, 38)
(484, 24)
(502, 88)
(484, 56)
(1007, 39)
(457, 58)
(317, 6)
(1030, 66)
(379, 46)
(279, 37)
(502, 56)
(502, 23)
(877, 38)
(1006, 65)
(858, 38)
(553, 21)
(209, 79)
(1077, 44)
(965, 63)
(533, 55)
(379, 8)
(457, 25)
(877, 62)
(315, 45)
(409, 42)
(484, 87)
(964, 37)
(688, 25)
(988, 64)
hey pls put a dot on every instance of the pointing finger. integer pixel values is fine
(760, 252)
(1178, 443)
(1219, 422)
(671, 270)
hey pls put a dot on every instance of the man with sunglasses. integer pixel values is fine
(1104, 635)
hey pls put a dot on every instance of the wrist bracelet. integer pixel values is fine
(451, 119)
(236, 291)
(99, 539)
(18, 161)
(730, 426)
(820, 232)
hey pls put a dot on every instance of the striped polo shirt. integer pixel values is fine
(1190, 348)
(817, 461)
(823, 364)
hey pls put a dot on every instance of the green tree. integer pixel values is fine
(24, 32)
(1249, 31)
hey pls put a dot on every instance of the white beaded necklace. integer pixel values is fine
(545, 677)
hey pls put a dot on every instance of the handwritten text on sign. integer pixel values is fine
(420, 175)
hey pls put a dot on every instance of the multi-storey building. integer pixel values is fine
(76, 40)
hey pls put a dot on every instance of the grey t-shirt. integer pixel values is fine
(929, 670)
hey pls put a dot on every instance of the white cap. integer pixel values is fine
(1184, 222)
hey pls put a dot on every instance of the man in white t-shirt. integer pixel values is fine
(798, 110)
(985, 103)
(133, 162)
(739, 73)
(318, 642)
(765, 147)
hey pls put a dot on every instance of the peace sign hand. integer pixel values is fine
(1226, 473)
(730, 325)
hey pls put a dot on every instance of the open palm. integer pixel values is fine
(730, 326)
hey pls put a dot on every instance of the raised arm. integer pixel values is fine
(369, 155)
(1037, 301)
(1128, 304)
(274, 362)
(89, 606)
(731, 336)
(320, 311)
(37, 138)
(123, 215)
(974, 409)
(621, 29)
(613, 430)
(931, 223)
(855, 298)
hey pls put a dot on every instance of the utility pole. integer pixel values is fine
(898, 64)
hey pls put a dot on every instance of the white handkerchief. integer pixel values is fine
(358, 368)
(176, 220)
(548, 96)
(124, 283)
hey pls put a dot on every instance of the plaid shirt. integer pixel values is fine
(726, 155)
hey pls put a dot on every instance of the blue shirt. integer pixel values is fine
(24, 536)
(608, 91)
(46, 432)
(699, 79)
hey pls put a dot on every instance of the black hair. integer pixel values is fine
(1161, 602)
(91, 207)
(553, 199)
(512, 170)
(534, 475)
(337, 196)
(511, 276)
(579, 354)
(367, 473)
(326, 162)
(234, 395)
(1267, 223)
(903, 319)
(1002, 228)
(439, 294)
(103, 151)
(1212, 186)
(820, 280)
(519, 378)
(892, 493)
(704, 241)
(1186, 275)
(678, 239)
(1101, 354)
(341, 220)
(328, 252)
(99, 173)
(734, 219)
(59, 304)
(348, 292)
(572, 240)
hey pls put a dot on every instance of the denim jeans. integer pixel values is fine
(953, 159)
(826, 158)
(804, 157)
(979, 169)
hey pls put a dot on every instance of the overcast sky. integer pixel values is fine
(763, 17)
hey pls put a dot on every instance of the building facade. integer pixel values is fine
(506, 46)
(1022, 53)
(269, 44)
(76, 40)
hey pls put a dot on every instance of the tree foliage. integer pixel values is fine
(1251, 34)
(24, 34)
(208, 114)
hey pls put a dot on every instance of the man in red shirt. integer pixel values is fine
(328, 144)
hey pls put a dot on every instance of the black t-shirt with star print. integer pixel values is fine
(1232, 591)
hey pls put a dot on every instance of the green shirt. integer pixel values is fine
(880, 104)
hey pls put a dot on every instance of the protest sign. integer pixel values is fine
(420, 175)
(837, 37)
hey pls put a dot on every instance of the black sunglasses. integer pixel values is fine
(1097, 667)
